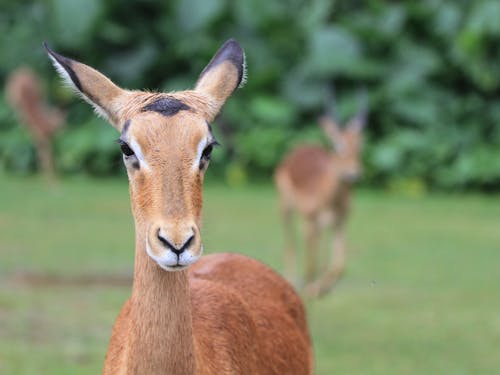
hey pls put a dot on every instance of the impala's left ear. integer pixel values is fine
(107, 98)
(224, 74)
(358, 122)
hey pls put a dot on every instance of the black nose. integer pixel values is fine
(177, 250)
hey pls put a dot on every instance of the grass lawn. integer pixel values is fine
(421, 294)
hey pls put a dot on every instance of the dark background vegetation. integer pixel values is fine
(431, 69)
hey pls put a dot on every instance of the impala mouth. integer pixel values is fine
(170, 261)
(173, 268)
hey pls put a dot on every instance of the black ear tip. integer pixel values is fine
(49, 50)
(233, 44)
(230, 51)
(233, 50)
(66, 62)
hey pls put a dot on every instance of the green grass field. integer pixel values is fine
(421, 294)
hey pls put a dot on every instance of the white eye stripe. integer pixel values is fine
(138, 153)
(201, 146)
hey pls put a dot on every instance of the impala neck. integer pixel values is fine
(161, 337)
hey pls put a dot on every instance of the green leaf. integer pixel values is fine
(333, 49)
(272, 110)
(74, 19)
(193, 15)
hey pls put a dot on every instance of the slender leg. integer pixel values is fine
(337, 265)
(290, 259)
(312, 236)
(337, 262)
(45, 158)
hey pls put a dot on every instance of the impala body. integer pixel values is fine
(217, 314)
(316, 182)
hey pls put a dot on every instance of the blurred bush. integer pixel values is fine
(430, 67)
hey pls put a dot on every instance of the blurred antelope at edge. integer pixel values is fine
(188, 314)
(316, 183)
(24, 93)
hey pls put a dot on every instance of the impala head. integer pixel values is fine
(346, 140)
(166, 141)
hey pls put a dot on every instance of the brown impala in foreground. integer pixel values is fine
(226, 314)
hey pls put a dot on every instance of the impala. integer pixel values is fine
(24, 93)
(316, 183)
(187, 314)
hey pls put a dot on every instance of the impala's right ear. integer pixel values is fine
(224, 74)
(94, 87)
(332, 131)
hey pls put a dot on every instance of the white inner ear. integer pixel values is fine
(244, 75)
(69, 82)
(138, 153)
(201, 146)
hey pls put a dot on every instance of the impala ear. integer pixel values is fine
(224, 74)
(92, 86)
(357, 123)
(332, 131)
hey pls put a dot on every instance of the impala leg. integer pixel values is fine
(338, 254)
(337, 262)
(45, 158)
(312, 236)
(290, 254)
(336, 268)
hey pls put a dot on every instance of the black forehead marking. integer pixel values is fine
(166, 106)
(125, 127)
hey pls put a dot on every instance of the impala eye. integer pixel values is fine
(206, 154)
(127, 151)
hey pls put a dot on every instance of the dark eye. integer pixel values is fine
(205, 156)
(207, 152)
(127, 151)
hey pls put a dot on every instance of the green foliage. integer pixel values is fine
(90, 147)
(430, 68)
(16, 152)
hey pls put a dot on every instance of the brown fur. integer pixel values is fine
(316, 183)
(228, 314)
(245, 320)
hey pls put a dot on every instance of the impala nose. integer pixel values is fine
(179, 246)
(173, 245)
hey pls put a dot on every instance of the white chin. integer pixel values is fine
(186, 258)
(169, 261)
